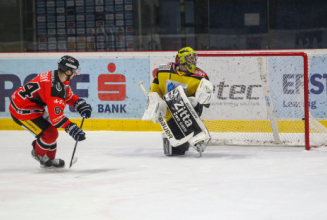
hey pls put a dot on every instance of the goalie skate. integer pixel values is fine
(169, 150)
(200, 147)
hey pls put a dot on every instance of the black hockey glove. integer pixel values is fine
(83, 108)
(74, 131)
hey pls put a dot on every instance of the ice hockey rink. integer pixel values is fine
(125, 176)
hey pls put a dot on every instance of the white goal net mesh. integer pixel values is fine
(260, 99)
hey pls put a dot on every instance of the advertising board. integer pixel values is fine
(109, 82)
(109, 85)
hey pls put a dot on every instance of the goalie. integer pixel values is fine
(184, 89)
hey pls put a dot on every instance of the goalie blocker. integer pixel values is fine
(190, 126)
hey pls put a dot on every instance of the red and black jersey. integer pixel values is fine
(45, 90)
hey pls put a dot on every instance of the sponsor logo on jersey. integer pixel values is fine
(58, 87)
(165, 66)
(171, 85)
(52, 79)
(61, 102)
(44, 77)
(200, 73)
(58, 119)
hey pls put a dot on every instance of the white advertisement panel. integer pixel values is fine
(237, 88)
(110, 85)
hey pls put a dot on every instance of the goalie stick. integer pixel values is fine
(74, 159)
(164, 126)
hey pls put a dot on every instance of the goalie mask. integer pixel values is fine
(187, 57)
(69, 63)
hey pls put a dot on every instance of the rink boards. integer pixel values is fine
(219, 126)
(109, 82)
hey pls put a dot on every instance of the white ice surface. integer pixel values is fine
(125, 176)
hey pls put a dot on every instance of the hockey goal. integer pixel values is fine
(262, 98)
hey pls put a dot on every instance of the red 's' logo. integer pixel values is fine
(112, 87)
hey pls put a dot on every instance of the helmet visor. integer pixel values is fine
(77, 71)
(191, 59)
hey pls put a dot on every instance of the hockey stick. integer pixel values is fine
(71, 161)
(164, 126)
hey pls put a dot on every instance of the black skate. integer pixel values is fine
(58, 163)
(45, 162)
(181, 149)
(170, 150)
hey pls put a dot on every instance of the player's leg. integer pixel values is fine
(45, 145)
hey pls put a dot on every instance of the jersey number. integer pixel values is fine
(29, 89)
(58, 110)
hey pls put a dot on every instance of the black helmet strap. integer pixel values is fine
(68, 76)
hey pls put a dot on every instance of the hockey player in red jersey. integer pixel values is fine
(197, 89)
(50, 89)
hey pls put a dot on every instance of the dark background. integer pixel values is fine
(171, 24)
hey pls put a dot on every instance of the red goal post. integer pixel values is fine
(275, 67)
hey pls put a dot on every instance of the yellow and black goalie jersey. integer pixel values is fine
(168, 78)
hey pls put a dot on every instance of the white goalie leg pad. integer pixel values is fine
(201, 140)
(186, 118)
(204, 93)
(156, 108)
(169, 134)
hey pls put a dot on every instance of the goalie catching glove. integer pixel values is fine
(83, 108)
(204, 93)
(156, 108)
